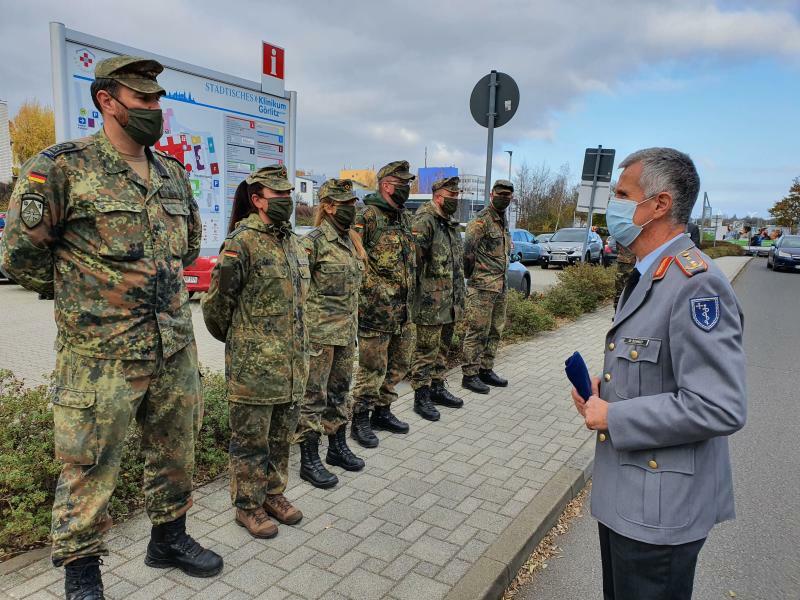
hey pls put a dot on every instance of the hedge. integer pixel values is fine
(29, 471)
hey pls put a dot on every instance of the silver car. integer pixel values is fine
(564, 247)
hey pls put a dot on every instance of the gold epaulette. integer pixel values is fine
(691, 262)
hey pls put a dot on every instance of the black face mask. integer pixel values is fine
(343, 217)
(400, 194)
(501, 202)
(145, 125)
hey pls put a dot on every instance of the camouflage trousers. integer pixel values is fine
(430, 355)
(624, 270)
(94, 403)
(486, 319)
(261, 436)
(325, 404)
(383, 361)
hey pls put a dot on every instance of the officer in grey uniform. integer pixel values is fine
(672, 390)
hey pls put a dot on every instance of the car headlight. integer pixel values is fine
(784, 254)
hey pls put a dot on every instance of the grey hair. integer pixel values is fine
(668, 170)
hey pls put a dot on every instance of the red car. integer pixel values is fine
(197, 275)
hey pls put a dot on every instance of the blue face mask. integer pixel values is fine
(619, 218)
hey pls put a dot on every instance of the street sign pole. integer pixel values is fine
(591, 202)
(490, 135)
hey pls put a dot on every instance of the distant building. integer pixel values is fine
(306, 187)
(5, 144)
(474, 187)
(427, 176)
(365, 177)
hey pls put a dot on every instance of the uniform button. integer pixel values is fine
(611, 346)
(652, 464)
(602, 437)
(634, 354)
(607, 376)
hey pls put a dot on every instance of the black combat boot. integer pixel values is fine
(361, 431)
(473, 382)
(423, 405)
(489, 377)
(311, 467)
(441, 395)
(171, 546)
(82, 579)
(382, 418)
(339, 454)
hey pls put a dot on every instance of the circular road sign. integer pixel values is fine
(506, 100)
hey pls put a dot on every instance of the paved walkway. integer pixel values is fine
(409, 526)
(423, 512)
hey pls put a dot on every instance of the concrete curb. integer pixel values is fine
(23, 560)
(740, 269)
(489, 577)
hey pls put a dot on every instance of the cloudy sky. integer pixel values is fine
(379, 81)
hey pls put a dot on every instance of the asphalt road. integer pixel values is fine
(757, 556)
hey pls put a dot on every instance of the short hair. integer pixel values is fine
(668, 170)
(102, 83)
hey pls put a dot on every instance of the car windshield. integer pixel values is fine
(568, 235)
(791, 241)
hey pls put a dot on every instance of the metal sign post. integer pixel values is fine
(503, 95)
(600, 172)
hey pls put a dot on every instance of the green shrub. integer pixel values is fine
(525, 317)
(29, 470)
(722, 249)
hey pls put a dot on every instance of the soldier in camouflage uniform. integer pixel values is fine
(626, 260)
(255, 304)
(486, 247)
(439, 299)
(104, 225)
(336, 260)
(385, 330)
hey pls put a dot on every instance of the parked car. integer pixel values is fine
(197, 276)
(524, 246)
(519, 278)
(564, 248)
(609, 251)
(785, 253)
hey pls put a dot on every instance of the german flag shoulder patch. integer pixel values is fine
(691, 262)
(36, 177)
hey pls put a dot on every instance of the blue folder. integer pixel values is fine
(578, 374)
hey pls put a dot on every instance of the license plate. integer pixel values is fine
(189, 279)
(558, 258)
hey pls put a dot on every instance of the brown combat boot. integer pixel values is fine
(257, 523)
(279, 507)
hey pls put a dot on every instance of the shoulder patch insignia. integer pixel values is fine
(705, 312)
(691, 263)
(663, 267)
(35, 177)
(54, 151)
(231, 254)
(32, 209)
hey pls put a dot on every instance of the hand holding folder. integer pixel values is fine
(578, 374)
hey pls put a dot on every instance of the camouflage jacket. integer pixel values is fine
(624, 255)
(388, 287)
(255, 304)
(84, 228)
(439, 297)
(486, 247)
(336, 273)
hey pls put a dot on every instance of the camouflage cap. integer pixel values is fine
(273, 177)
(132, 71)
(451, 184)
(503, 186)
(398, 168)
(338, 190)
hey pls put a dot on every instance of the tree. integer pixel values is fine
(544, 198)
(787, 211)
(32, 130)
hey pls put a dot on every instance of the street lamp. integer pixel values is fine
(510, 152)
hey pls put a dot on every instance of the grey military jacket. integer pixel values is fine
(674, 374)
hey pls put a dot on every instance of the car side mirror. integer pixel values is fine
(512, 259)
